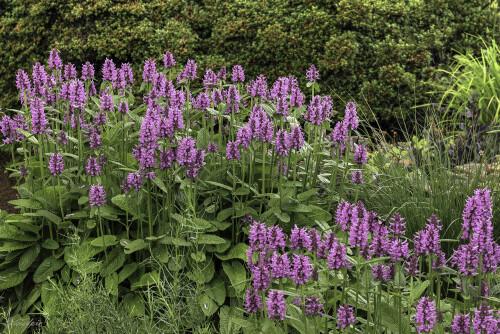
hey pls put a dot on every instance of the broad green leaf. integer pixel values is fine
(224, 214)
(104, 241)
(159, 183)
(111, 284)
(31, 299)
(216, 289)
(26, 203)
(128, 270)
(146, 280)
(127, 203)
(19, 324)
(220, 185)
(11, 277)
(50, 216)
(28, 257)
(389, 318)
(50, 244)
(241, 191)
(418, 289)
(113, 262)
(174, 241)
(13, 233)
(46, 269)
(207, 304)
(134, 246)
(239, 251)
(283, 216)
(236, 273)
(134, 304)
(202, 138)
(12, 245)
(198, 256)
(210, 239)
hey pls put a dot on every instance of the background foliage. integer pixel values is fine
(384, 52)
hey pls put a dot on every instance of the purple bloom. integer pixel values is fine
(38, 120)
(296, 138)
(360, 155)
(23, 171)
(275, 304)
(167, 158)
(282, 106)
(244, 136)
(358, 232)
(258, 236)
(301, 269)
(210, 79)
(123, 108)
(397, 225)
(253, 302)
(238, 74)
(315, 239)
(133, 180)
(69, 71)
(346, 215)
(261, 276)
(149, 71)
(296, 98)
(461, 324)
(56, 164)
(275, 238)
(280, 265)
(232, 151)
(212, 147)
(95, 141)
(357, 177)
(337, 257)
(109, 71)
(398, 250)
(189, 72)
(97, 196)
(412, 266)
(217, 97)
(426, 315)
(233, 98)
(222, 73)
(93, 166)
(345, 316)
(326, 245)
(22, 81)
(168, 60)
(299, 238)
(312, 74)
(313, 306)
(466, 259)
(484, 320)
(380, 242)
(126, 71)
(55, 62)
(339, 136)
(282, 143)
(351, 116)
(478, 209)
(107, 102)
(87, 71)
(319, 109)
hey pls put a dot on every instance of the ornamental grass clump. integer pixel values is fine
(202, 174)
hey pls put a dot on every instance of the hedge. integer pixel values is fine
(381, 53)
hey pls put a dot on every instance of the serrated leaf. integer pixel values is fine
(207, 304)
(146, 280)
(46, 269)
(202, 138)
(28, 257)
(241, 191)
(13, 233)
(220, 185)
(50, 244)
(216, 289)
(127, 203)
(113, 262)
(210, 239)
(111, 284)
(134, 246)
(12, 245)
(134, 304)
(11, 277)
(26, 203)
(283, 216)
(418, 290)
(104, 241)
(198, 256)
(236, 273)
(50, 216)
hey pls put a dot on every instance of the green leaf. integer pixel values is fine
(159, 183)
(31, 299)
(174, 241)
(216, 289)
(104, 241)
(128, 270)
(113, 262)
(134, 246)
(26, 204)
(13, 233)
(134, 304)
(19, 324)
(283, 216)
(12, 245)
(241, 191)
(198, 256)
(50, 216)
(46, 269)
(11, 277)
(50, 244)
(202, 138)
(419, 289)
(220, 185)
(210, 239)
(82, 200)
(127, 203)
(236, 273)
(28, 257)
(146, 280)
(111, 284)
(239, 251)
(302, 197)
(207, 304)
(224, 214)
(389, 318)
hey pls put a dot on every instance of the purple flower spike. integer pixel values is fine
(345, 316)
(300, 238)
(55, 62)
(483, 321)
(69, 71)
(357, 177)
(360, 155)
(38, 120)
(282, 143)
(312, 74)
(461, 324)
(275, 238)
(275, 304)
(149, 71)
(296, 138)
(238, 74)
(87, 71)
(233, 152)
(351, 116)
(313, 306)
(168, 60)
(93, 166)
(107, 102)
(301, 269)
(258, 236)
(56, 164)
(337, 257)
(280, 265)
(426, 315)
(97, 196)
(253, 302)
(397, 225)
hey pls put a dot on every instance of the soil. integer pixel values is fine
(7, 193)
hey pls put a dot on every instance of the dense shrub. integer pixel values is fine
(382, 51)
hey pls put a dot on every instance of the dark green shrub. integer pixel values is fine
(383, 52)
